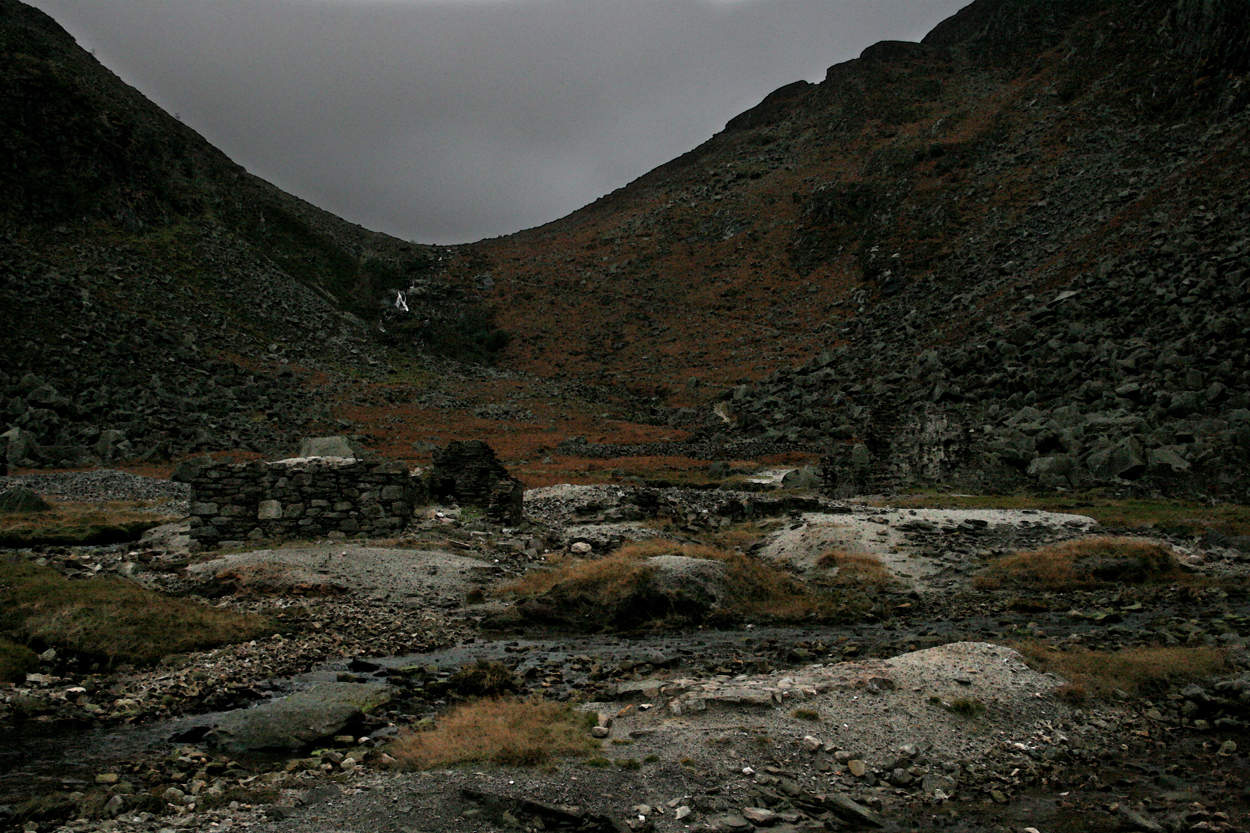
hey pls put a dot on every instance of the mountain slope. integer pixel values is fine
(160, 300)
(1024, 238)
(1012, 254)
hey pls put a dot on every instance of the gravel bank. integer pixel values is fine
(100, 485)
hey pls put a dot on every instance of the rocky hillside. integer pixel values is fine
(161, 300)
(1015, 252)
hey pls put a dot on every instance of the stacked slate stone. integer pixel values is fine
(469, 473)
(299, 498)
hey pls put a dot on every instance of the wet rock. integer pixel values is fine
(851, 811)
(297, 720)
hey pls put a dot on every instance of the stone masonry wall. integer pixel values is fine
(302, 497)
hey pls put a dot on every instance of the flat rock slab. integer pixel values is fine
(299, 719)
(890, 534)
(415, 577)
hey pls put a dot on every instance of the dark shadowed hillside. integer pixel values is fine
(1013, 254)
(159, 299)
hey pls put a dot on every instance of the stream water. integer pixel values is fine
(37, 760)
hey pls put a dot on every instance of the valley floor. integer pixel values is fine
(930, 708)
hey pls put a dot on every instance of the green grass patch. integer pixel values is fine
(15, 660)
(111, 618)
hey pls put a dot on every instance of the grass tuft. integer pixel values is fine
(1084, 564)
(506, 731)
(110, 618)
(855, 568)
(1138, 671)
(619, 589)
(15, 660)
(484, 679)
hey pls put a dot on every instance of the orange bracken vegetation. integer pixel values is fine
(1083, 564)
(504, 731)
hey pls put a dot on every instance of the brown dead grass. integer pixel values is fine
(505, 731)
(756, 588)
(1138, 671)
(1084, 564)
(74, 524)
(855, 568)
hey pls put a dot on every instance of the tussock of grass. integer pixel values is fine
(111, 618)
(1138, 671)
(80, 524)
(508, 732)
(620, 587)
(855, 568)
(484, 679)
(1084, 564)
(15, 660)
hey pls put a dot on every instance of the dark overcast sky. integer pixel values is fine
(446, 121)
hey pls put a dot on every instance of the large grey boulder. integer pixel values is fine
(327, 447)
(692, 586)
(1056, 471)
(19, 447)
(298, 720)
(1125, 460)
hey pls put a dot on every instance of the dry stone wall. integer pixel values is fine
(299, 498)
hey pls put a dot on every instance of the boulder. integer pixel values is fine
(112, 444)
(1124, 460)
(689, 585)
(804, 478)
(298, 720)
(21, 499)
(327, 447)
(19, 447)
(1057, 471)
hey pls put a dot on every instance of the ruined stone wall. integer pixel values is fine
(920, 449)
(299, 498)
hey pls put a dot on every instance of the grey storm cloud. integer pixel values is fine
(446, 121)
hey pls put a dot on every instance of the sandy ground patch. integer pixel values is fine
(399, 575)
(892, 535)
